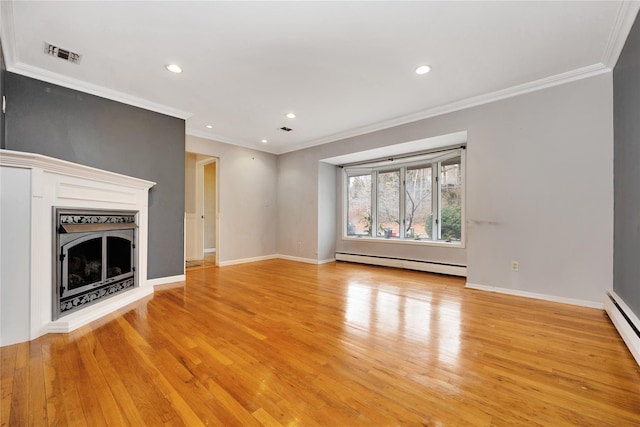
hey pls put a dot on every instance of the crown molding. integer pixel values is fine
(219, 138)
(625, 18)
(71, 83)
(7, 32)
(547, 82)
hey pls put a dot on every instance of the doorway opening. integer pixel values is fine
(202, 207)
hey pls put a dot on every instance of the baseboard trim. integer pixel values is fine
(304, 260)
(210, 250)
(276, 256)
(246, 260)
(533, 295)
(165, 280)
(625, 321)
(430, 267)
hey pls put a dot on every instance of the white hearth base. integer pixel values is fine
(80, 318)
(32, 185)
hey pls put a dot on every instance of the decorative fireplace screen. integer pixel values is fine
(95, 257)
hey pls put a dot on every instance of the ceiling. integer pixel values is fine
(344, 68)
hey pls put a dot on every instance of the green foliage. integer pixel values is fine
(450, 223)
(366, 220)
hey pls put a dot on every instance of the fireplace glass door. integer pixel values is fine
(82, 260)
(96, 259)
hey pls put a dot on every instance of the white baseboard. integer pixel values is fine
(210, 250)
(533, 295)
(304, 260)
(165, 280)
(429, 267)
(276, 256)
(246, 260)
(325, 261)
(631, 339)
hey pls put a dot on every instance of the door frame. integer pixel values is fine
(200, 205)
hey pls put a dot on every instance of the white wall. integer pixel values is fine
(539, 191)
(298, 205)
(248, 202)
(15, 255)
(327, 220)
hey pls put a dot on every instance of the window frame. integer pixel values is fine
(434, 162)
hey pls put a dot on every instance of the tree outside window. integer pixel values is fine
(420, 201)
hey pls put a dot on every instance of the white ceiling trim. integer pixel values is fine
(624, 21)
(7, 32)
(558, 79)
(218, 138)
(71, 83)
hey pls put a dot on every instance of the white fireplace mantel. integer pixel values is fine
(31, 185)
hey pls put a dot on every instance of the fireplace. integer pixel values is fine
(36, 190)
(95, 257)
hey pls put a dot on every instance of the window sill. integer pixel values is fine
(398, 241)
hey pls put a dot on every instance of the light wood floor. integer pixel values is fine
(279, 343)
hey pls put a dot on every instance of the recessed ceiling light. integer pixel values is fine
(423, 69)
(209, 126)
(264, 141)
(173, 68)
(290, 116)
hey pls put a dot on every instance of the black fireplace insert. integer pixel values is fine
(95, 257)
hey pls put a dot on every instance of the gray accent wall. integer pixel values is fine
(67, 124)
(539, 190)
(626, 95)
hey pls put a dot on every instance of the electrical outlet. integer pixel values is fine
(515, 266)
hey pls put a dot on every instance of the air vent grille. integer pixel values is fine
(64, 54)
(286, 129)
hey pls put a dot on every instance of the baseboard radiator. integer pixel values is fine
(431, 267)
(627, 323)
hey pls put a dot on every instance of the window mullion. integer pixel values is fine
(435, 200)
(374, 204)
(402, 195)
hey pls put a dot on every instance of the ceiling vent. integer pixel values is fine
(286, 129)
(58, 52)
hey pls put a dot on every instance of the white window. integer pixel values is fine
(416, 199)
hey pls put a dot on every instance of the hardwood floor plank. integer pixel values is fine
(280, 343)
(144, 351)
(20, 402)
(55, 414)
(87, 347)
(8, 356)
(37, 391)
(112, 378)
(265, 418)
(80, 398)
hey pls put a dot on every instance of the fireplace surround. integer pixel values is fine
(32, 187)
